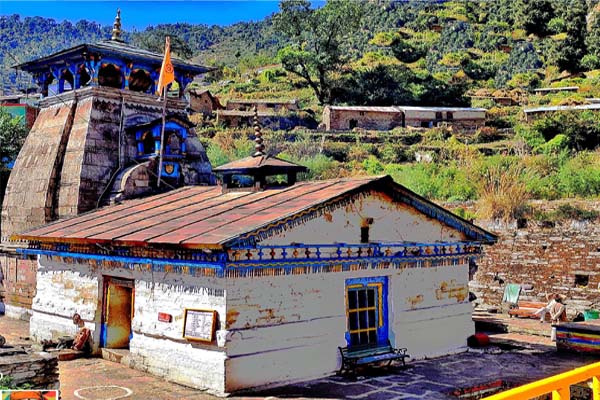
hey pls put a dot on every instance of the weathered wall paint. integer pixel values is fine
(392, 222)
(288, 328)
(156, 347)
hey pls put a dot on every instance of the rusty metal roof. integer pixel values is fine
(205, 217)
(267, 163)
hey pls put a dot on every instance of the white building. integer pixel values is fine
(235, 288)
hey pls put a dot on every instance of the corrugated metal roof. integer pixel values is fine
(262, 101)
(563, 108)
(395, 109)
(365, 109)
(439, 109)
(201, 216)
(240, 113)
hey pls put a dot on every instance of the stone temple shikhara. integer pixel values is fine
(255, 281)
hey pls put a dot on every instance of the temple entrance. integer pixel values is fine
(117, 313)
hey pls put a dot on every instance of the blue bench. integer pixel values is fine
(354, 356)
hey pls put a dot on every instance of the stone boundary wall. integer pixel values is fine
(544, 256)
(37, 369)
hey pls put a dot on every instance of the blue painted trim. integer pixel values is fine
(218, 266)
(102, 335)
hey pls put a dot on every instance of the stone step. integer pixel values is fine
(120, 356)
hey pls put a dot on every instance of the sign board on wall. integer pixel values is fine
(199, 324)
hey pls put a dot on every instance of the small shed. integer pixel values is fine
(263, 105)
(203, 101)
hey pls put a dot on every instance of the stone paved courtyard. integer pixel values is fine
(513, 357)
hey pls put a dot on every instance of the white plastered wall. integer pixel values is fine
(288, 328)
(156, 347)
(392, 222)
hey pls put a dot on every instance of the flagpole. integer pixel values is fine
(162, 136)
(167, 75)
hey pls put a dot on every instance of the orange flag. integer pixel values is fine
(167, 73)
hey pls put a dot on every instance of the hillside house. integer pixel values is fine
(387, 118)
(272, 114)
(263, 105)
(247, 285)
(203, 101)
(94, 143)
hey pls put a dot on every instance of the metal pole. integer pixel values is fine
(162, 136)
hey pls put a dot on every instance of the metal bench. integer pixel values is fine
(354, 356)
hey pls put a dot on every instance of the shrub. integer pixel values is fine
(502, 190)
(580, 176)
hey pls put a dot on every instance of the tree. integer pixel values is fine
(12, 135)
(572, 50)
(592, 59)
(318, 40)
(534, 16)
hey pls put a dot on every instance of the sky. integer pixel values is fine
(140, 14)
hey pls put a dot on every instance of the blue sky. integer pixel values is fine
(140, 14)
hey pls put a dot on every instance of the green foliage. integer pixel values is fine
(12, 135)
(373, 166)
(523, 58)
(581, 128)
(572, 50)
(319, 38)
(535, 15)
(580, 176)
(216, 155)
(555, 145)
(7, 383)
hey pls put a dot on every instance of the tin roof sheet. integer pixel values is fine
(205, 217)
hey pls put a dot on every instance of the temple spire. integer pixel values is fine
(259, 146)
(116, 32)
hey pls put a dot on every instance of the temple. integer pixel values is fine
(109, 63)
(96, 141)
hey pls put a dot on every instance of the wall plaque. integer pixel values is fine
(199, 324)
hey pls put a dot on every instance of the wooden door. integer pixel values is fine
(118, 313)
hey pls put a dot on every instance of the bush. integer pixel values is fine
(580, 176)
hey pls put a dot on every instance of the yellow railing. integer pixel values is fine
(558, 385)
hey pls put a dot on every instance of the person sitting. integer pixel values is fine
(546, 309)
(558, 313)
(82, 339)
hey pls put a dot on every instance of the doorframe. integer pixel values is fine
(106, 280)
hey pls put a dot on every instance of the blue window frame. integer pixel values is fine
(366, 311)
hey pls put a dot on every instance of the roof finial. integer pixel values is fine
(116, 32)
(259, 146)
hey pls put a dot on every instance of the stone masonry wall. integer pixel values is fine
(37, 369)
(547, 256)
